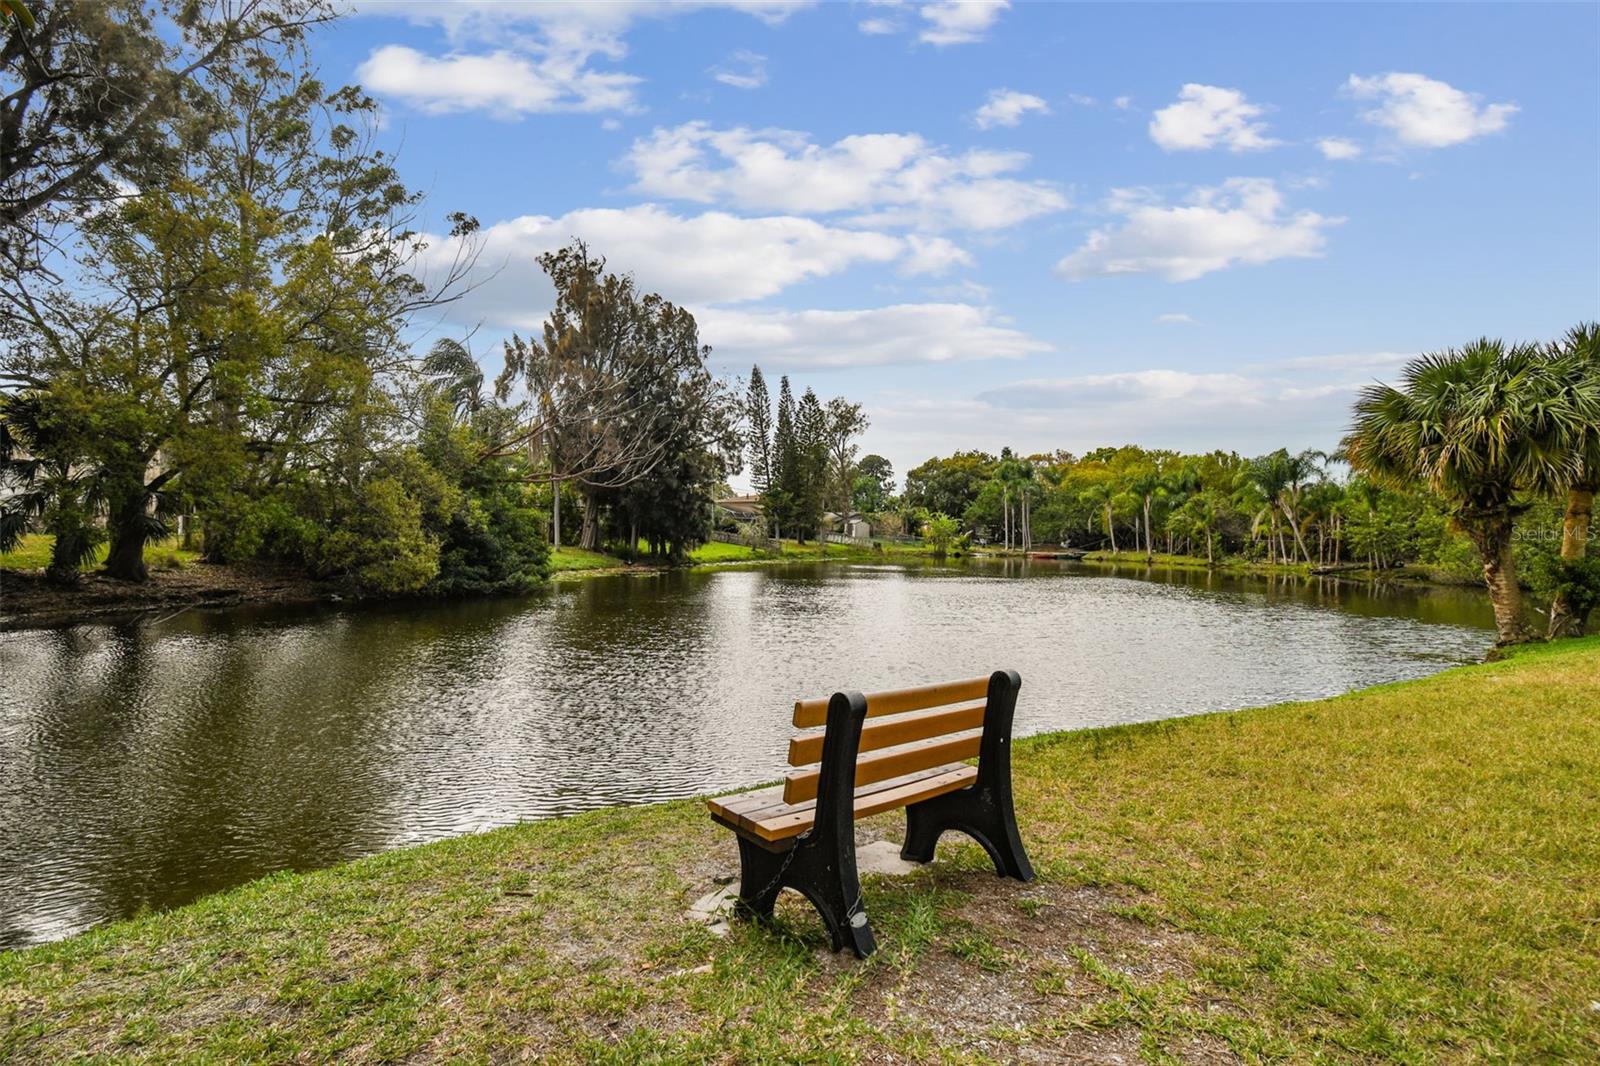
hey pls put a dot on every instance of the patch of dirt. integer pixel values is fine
(1014, 996)
(28, 601)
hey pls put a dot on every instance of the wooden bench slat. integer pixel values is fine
(808, 713)
(875, 736)
(751, 807)
(784, 820)
(891, 762)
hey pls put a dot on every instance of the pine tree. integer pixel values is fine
(758, 414)
(786, 471)
(811, 449)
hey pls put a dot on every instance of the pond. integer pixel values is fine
(145, 764)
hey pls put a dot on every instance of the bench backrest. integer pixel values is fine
(906, 730)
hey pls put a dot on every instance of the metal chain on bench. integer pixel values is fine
(855, 913)
(782, 869)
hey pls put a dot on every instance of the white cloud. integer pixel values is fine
(1092, 391)
(744, 70)
(1206, 116)
(1295, 403)
(932, 255)
(1425, 112)
(1363, 361)
(944, 22)
(1174, 318)
(532, 57)
(893, 179)
(1122, 103)
(701, 259)
(1175, 409)
(503, 83)
(1241, 221)
(959, 21)
(1006, 107)
(1339, 148)
(902, 333)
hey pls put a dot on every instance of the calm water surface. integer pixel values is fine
(142, 765)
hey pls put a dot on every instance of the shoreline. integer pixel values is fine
(28, 602)
(1171, 914)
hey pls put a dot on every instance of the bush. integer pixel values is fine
(381, 547)
(940, 532)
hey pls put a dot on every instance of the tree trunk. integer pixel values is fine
(555, 494)
(1111, 529)
(70, 545)
(591, 523)
(126, 522)
(1294, 527)
(1568, 616)
(1492, 536)
(1149, 546)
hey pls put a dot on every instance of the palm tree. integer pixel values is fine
(1147, 487)
(1104, 495)
(1479, 427)
(1208, 507)
(455, 376)
(1281, 479)
(47, 488)
(1576, 366)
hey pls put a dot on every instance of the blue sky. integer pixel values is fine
(1038, 225)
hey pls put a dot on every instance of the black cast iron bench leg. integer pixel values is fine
(821, 863)
(982, 810)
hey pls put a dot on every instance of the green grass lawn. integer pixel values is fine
(1410, 873)
(34, 554)
(1196, 562)
(716, 552)
(567, 559)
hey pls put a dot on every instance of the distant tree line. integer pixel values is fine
(1473, 445)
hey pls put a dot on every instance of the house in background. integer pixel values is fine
(738, 509)
(853, 526)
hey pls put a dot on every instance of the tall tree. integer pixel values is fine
(949, 486)
(604, 354)
(226, 323)
(453, 375)
(1478, 427)
(1103, 496)
(758, 422)
(843, 423)
(788, 470)
(811, 451)
(873, 485)
(97, 93)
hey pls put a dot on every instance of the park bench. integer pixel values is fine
(875, 753)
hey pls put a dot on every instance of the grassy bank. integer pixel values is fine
(34, 554)
(1407, 873)
(1236, 565)
(714, 553)
(27, 600)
